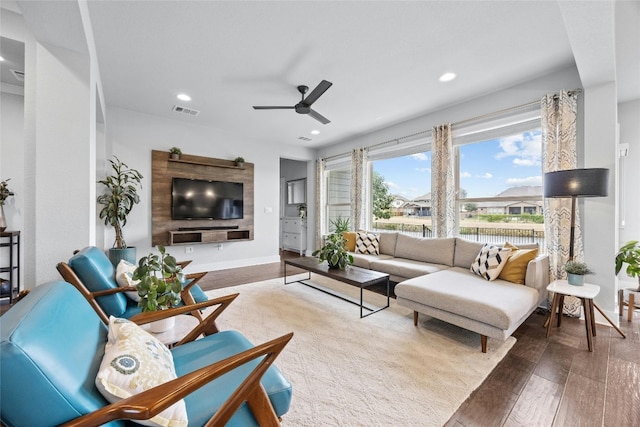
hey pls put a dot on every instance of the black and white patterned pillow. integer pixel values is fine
(367, 243)
(490, 261)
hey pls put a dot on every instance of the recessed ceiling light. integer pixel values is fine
(447, 77)
(1, 58)
(184, 97)
(315, 132)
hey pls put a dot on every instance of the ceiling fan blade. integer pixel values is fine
(267, 107)
(319, 117)
(316, 93)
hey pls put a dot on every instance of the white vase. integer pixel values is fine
(162, 325)
(3, 221)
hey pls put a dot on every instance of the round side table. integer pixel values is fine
(632, 301)
(184, 324)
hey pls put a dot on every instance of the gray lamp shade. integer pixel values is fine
(577, 182)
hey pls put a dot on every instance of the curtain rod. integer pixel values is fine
(573, 92)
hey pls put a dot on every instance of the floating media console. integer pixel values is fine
(182, 237)
(217, 227)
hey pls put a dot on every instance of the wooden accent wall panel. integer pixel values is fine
(194, 167)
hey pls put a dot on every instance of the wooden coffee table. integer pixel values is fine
(354, 276)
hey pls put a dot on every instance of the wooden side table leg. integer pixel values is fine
(630, 306)
(593, 318)
(609, 320)
(554, 306)
(560, 309)
(620, 301)
(587, 322)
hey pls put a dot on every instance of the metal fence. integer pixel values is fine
(478, 234)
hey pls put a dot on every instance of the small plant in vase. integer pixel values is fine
(576, 271)
(239, 161)
(175, 153)
(334, 251)
(4, 195)
(302, 210)
(160, 283)
(629, 254)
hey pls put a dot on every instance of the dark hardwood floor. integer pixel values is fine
(542, 381)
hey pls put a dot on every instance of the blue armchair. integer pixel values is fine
(92, 273)
(52, 343)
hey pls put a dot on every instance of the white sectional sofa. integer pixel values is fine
(435, 279)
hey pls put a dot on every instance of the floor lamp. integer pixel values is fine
(576, 183)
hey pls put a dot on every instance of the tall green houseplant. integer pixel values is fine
(118, 199)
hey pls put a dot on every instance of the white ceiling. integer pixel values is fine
(383, 58)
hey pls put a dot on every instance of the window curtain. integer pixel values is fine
(321, 195)
(443, 196)
(359, 185)
(559, 113)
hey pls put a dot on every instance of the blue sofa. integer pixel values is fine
(52, 344)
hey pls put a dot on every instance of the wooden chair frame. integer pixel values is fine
(70, 276)
(153, 401)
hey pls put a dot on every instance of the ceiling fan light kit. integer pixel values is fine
(304, 106)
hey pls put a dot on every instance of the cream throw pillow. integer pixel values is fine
(124, 274)
(490, 261)
(135, 361)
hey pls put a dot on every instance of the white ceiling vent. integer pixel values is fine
(19, 75)
(185, 110)
(304, 138)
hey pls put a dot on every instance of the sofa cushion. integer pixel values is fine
(515, 269)
(388, 243)
(364, 260)
(466, 252)
(490, 261)
(433, 251)
(135, 361)
(367, 243)
(401, 267)
(350, 237)
(124, 274)
(498, 303)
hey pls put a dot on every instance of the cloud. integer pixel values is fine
(420, 156)
(526, 148)
(391, 184)
(487, 175)
(465, 175)
(530, 180)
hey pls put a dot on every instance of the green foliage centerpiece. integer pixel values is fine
(160, 281)
(334, 251)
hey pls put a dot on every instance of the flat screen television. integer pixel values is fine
(200, 199)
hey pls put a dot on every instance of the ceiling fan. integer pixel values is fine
(304, 106)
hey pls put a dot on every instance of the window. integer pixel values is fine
(338, 195)
(500, 187)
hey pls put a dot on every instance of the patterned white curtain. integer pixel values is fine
(359, 185)
(443, 188)
(321, 195)
(559, 113)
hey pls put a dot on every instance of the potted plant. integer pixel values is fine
(239, 161)
(334, 251)
(4, 194)
(159, 285)
(175, 153)
(302, 210)
(119, 197)
(339, 224)
(629, 254)
(576, 271)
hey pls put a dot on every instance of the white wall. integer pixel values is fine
(133, 135)
(629, 119)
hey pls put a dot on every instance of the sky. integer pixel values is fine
(486, 168)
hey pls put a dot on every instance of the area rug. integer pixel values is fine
(347, 371)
